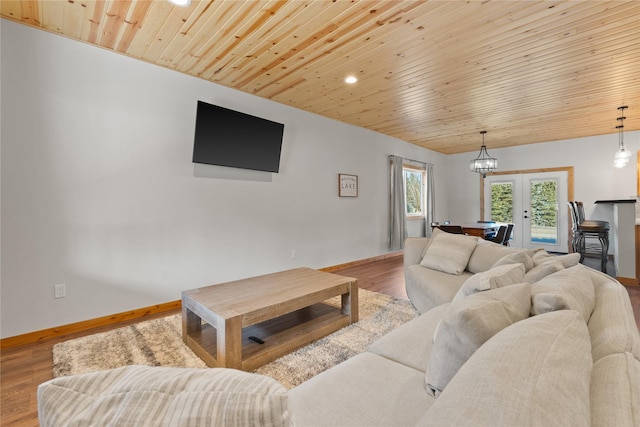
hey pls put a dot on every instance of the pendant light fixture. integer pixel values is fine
(622, 156)
(484, 162)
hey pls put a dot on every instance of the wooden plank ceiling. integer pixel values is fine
(434, 73)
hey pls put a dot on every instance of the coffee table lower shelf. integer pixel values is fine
(281, 335)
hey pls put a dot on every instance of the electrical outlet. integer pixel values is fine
(293, 254)
(59, 291)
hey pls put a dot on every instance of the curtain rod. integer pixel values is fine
(416, 161)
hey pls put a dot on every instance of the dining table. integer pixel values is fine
(481, 229)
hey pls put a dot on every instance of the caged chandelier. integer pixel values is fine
(622, 156)
(484, 162)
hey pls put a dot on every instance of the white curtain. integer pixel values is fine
(430, 202)
(398, 217)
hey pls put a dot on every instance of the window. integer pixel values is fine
(414, 191)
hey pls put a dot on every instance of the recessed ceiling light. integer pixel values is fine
(351, 80)
(182, 3)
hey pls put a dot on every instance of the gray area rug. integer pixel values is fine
(159, 343)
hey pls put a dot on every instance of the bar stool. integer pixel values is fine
(589, 229)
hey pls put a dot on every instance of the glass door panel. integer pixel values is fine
(532, 202)
(543, 200)
(502, 202)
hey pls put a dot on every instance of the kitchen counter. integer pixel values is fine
(616, 201)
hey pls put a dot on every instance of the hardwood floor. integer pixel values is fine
(385, 276)
(23, 368)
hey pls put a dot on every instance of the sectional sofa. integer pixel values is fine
(492, 348)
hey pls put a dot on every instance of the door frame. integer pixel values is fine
(567, 169)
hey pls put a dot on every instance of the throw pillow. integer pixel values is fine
(449, 253)
(519, 257)
(541, 271)
(159, 396)
(536, 372)
(540, 255)
(498, 277)
(485, 255)
(568, 260)
(468, 324)
(434, 233)
(569, 289)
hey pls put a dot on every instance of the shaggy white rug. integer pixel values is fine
(159, 343)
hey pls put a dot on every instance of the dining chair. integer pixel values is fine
(507, 235)
(499, 237)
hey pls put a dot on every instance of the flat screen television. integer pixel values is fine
(225, 137)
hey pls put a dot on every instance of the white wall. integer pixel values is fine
(592, 158)
(99, 192)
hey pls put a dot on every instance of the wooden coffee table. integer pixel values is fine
(247, 323)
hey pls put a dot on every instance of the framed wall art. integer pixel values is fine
(347, 185)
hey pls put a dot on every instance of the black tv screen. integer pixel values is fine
(230, 138)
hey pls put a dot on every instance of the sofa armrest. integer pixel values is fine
(413, 248)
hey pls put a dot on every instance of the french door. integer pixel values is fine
(536, 203)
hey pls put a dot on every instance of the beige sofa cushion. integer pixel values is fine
(427, 288)
(449, 253)
(366, 390)
(568, 289)
(498, 277)
(505, 383)
(615, 391)
(469, 323)
(409, 344)
(158, 396)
